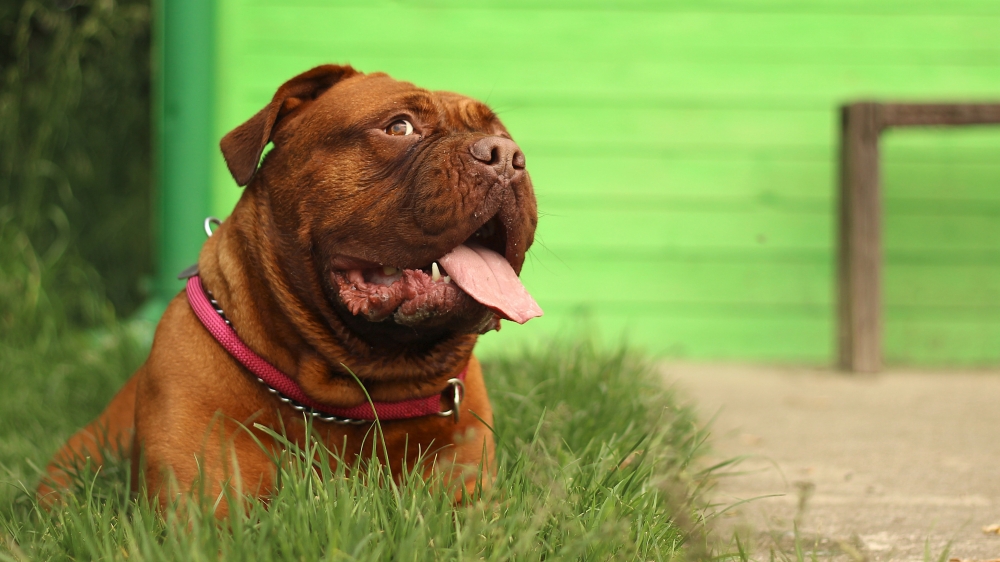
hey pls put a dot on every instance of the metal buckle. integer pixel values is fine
(458, 390)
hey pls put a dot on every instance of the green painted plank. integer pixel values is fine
(976, 55)
(609, 198)
(720, 151)
(972, 56)
(642, 228)
(860, 7)
(941, 342)
(655, 77)
(750, 224)
(672, 126)
(904, 314)
(766, 337)
(725, 277)
(971, 289)
(564, 278)
(509, 96)
(608, 178)
(728, 127)
(987, 255)
(665, 331)
(622, 31)
(928, 232)
(957, 190)
(625, 197)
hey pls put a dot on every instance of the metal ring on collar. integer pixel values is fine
(209, 221)
(458, 389)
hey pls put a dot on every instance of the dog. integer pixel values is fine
(379, 237)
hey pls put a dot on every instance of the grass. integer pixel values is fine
(594, 463)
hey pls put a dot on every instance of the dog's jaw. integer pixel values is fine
(427, 297)
(410, 297)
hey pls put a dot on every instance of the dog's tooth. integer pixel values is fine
(389, 270)
(446, 279)
(435, 272)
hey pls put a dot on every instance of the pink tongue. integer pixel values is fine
(487, 277)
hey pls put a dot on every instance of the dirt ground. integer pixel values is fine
(883, 467)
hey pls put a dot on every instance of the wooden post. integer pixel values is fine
(860, 244)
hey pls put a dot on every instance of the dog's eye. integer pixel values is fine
(401, 127)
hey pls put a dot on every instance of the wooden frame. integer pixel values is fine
(859, 252)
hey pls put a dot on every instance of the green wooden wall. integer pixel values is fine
(683, 153)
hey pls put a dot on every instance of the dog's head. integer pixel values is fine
(402, 213)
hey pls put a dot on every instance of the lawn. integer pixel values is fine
(596, 461)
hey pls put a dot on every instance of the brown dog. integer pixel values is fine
(331, 264)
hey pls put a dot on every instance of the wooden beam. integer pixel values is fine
(860, 243)
(931, 114)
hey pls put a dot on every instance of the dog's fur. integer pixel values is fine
(336, 192)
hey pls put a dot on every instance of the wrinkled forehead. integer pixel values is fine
(461, 111)
(369, 99)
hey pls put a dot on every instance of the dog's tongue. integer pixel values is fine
(486, 276)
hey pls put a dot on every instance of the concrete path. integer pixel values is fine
(872, 467)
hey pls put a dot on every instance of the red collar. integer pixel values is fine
(290, 392)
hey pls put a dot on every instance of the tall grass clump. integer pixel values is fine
(74, 165)
(74, 215)
(594, 462)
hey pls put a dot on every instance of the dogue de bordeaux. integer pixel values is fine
(382, 233)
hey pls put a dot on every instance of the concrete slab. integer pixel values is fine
(874, 468)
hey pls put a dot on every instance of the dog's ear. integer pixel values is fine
(243, 145)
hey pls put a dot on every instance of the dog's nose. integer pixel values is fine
(501, 153)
